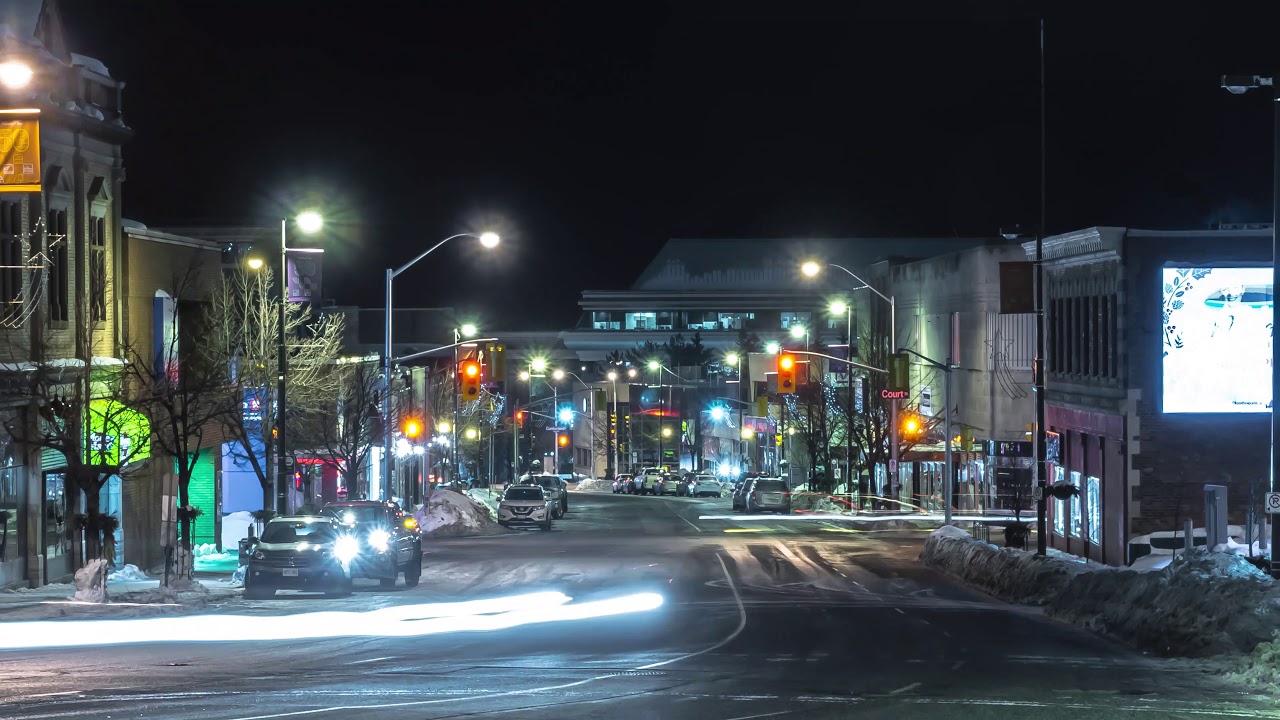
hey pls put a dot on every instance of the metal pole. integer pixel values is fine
(1275, 312)
(893, 405)
(661, 455)
(742, 442)
(1042, 504)
(453, 445)
(282, 470)
(848, 417)
(386, 382)
(946, 456)
(613, 433)
(555, 441)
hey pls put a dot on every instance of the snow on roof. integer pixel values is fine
(88, 63)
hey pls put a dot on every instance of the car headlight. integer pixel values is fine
(379, 539)
(346, 548)
(259, 555)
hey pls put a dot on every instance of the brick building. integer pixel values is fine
(1158, 378)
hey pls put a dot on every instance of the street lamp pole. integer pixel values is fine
(488, 240)
(612, 450)
(1238, 85)
(308, 222)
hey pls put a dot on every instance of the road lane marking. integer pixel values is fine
(742, 624)
(905, 688)
(673, 512)
(762, 715)
(361, 662)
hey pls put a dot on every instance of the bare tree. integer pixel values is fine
(185, 392)
(345, 430)
(243, 329)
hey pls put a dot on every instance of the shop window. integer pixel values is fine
(1059, 506)
(699, 320)
(57, 533)
(59, 265)
(735, 321)
(1093, 506)
(12, 495)
(605, 321)
(1074, 507)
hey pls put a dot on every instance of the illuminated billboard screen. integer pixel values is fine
(1217, 340)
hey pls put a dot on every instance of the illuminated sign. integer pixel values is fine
(1217, 340)
(895, 394)
(19, 154)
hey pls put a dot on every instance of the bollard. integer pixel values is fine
(1188, 536)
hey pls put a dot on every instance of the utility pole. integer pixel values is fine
(1042, 504)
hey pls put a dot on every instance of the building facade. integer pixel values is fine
(1158, 378)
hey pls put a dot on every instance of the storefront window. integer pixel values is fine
(795, 318)
(57, 536)
(1059, 507)
(641, 320)
(12, 488)
(1074, 506)
(1093, 506)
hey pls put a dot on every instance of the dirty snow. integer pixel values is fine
(489, 498)
(1199, 604)
(91, 582)
(128, 573)
(595, 485)
(449, 513)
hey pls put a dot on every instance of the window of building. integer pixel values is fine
(666, 320)
(701, 320)
(1074, 507)
(1059, 506)
(11, 260)
(1093, 506)
(735, 320)
(59, 282)
(606, 321)
(795, 318)
(642, 321)
(57, 531)
(97, 269)
(13, 495)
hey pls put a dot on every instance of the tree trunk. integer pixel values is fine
(92, 509)
(268, 499)
(186, 565)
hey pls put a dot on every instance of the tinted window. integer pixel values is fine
(771, 485)
(524, 493)
(358, 513)
(286, 532)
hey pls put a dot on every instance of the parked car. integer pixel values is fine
(649, 483)
(555, 489)
(301, 552)
(769, 495)
(740, 493)
(668, 485)
(390, 541)
(523, 505)
(623, 483)
(704, 486)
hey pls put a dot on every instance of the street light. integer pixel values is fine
(717, 413)
(654, 365)
(255, 263)
(797, 331)
(468, 330)
(812, 269)
(612, 470)
(735, 359)
(15, 74)
(840, 307)
(666, 432)
(524, 375)
(487, 240)
(772, 347)
(631, 372)
(538, 364)
(472, 433)
(1238, 85)
(444, 427)
(558, 374)
(308, 223)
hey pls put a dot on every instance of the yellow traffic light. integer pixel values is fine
(412, 428)
(786, 373)
(469, 371)
(562, 440)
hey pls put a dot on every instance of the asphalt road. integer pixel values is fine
(781, 618)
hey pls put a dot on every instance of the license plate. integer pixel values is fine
(289, 572)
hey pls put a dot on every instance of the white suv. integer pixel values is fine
(525, 505)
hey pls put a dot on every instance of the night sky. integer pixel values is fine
(587, 136)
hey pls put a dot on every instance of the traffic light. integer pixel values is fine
(520, 418)
(412, 428)
(786, 373)
(469, 372)
(562, 440)
(912, 425)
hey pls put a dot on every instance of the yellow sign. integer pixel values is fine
(19, 153)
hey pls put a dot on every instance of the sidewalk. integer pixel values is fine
(133, 594)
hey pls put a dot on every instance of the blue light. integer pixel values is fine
(566, 416)
(717, 413)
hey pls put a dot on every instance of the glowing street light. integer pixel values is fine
(15, 74)
(772, 348)
(611, 376)
(565, 415)
(468, 330)
(558, 374)
(810, 269)
(731, 359)
(717, 413)
(490, 240)
(797, 331)
(310, 222)
(472, 433)
(255, 263)
(631, 372)
(444, 427)
(666, 432)
(838, 307)
(748, 433)
(538, 364)
(654, 365)
(524, 375)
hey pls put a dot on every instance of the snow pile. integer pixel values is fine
(235, 527)
(1201, 604)
(91, 582)
(205, 550)
(595, 485)
(820, 504)
(128, 573)
(488, 498)
(1011, 575)
(450, 513)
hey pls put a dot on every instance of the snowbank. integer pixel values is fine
(91, 582)
(449, 513)
(235, 527)
(488, 499)
(595, 485)
(1009, 574)
(1199, 604)
(128, 573)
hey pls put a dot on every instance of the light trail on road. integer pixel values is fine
(400, 621)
